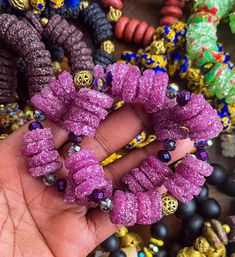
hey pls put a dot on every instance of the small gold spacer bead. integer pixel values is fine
(3, 136)
(114, 14)
(44, 21)
(56, 67)
(108, 46)
(226, 228)
(83, 78)
(83, 5)
(36, 12)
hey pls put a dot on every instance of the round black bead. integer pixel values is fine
(110, 244)
(159, 230)
(228, 186)
(230, 248)
(218, 176)
(117, 253)
(194, 224)
(203, 196)
(210, 209)
(173, 249)
(184, 211)
(161, 253)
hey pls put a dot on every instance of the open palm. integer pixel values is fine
(34, 220)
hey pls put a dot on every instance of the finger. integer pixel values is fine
(117, 130)
(118, 169)
(14, 140)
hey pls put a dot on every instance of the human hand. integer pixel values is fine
(34, 220)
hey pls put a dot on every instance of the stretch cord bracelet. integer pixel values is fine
(86, 180)
(202, 46)
(93, 17)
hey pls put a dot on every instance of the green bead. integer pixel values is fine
(213, 73)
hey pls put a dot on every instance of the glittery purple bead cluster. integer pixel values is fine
(86, 112)
(196, 120)
(139, 208)
(39, 146)
(54, 99)
(128, 84)
(85, 176)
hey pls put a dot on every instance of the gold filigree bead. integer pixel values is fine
(83, 5)
(56, 67)
(114, 14)
(157, 47)
(83, 78)
(201, 244)
(169, 204)
(44, 21)
(22, 5)
(108, 46)
(38, 5)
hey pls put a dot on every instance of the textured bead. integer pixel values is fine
(45, 169)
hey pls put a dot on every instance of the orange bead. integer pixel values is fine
(148, 37)
(117, 4)
(172, 11)
(177, 3)
(131, 29)
(138, 37)
(168, 20)
(120, 26)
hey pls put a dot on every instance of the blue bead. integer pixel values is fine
(72, 3)
(164, 156)
(61, 185)
(35, 125)
(109, 78)
(141, 254)
(201, 155)
(183, 98)
(169, 145)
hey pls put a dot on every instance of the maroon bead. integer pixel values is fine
(164, 156)
(169, 145)
(74, 138)
(61, 185)
(201, 154)
(97, 195)
(183, 98)
(35, 125)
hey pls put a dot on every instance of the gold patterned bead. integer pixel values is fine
(108, 46)
(157, 47)
(131, 239)
(114, 14)
(169, 204)
(201, 244)
(38, 5)
(83, 5)
(56, 67)
(189, 252)
(83, 78)
(20, 4)
(122, 232)
(44, 21)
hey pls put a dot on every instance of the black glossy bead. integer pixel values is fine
(159, 230)
(185, 211)
(35, 125)
(61, 185)
(110, 244)
(161, 253)
(203, 196)
(117, 253)
(164, 156)
(228, 186)
(218, 176)
(173, 249)
(230, 248)
(210, 209)
(194, 224)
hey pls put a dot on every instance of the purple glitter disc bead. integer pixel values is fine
(164, 156)
(201, 154)
(61, 185)
(35, 125)
(183, 98)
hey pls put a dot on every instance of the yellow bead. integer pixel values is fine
(131, 239)
(226, 228)
(44, 21)
(83, 5)
(22, 5)
(169, 204)
(108, 46)
(114, 14)
(155, 241)
(56, 4)
(56, 67)
(14, 127)
(157, 47)
(38, 5)
(3, 136)
(118, 105)
(201, 244)
(147, 252)
(122, 232)
(189, 252)
(83, 78)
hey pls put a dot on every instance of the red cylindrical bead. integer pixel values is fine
(114, 3)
